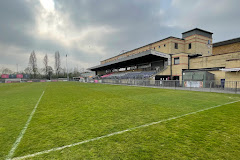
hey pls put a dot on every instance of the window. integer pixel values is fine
(176, 60)
(158, 46)
(176, 45)
(189, 45)
(164, 45)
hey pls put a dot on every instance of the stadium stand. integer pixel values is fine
(130, 75)
(171, 57)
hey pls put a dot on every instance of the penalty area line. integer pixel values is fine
(18, 140)
(116, 133)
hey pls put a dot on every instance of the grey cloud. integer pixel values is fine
(16, 17)
(220, 17)
(135, 23)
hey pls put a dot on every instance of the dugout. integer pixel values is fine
(198, 79)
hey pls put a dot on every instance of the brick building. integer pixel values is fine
(168, 58)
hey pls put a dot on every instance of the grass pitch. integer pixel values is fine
(71, 112)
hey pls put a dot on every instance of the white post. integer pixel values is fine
(67, 68)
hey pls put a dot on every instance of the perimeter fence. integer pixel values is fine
(205, 86)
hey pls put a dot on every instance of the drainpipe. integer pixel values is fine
(171, 65)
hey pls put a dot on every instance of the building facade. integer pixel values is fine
(194, 51)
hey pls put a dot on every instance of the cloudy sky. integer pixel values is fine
(93, 30)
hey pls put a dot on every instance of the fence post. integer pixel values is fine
(236, 88)
(210, 86)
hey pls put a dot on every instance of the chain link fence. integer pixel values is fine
(205, 86)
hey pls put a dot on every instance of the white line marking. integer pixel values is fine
(115, 133)
(15, 145)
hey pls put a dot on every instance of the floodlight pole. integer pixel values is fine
(17, 68)
(67, 68)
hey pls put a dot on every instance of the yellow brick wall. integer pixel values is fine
(226, 48)
(218, 75)
(202, 46)
(169, 48)
(167, 71)
(177, 68)
(162, 48)
(199, 45)
(235, 63)
(233, 76)
(212, 61)
(181, 46)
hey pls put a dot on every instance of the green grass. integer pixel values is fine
(71, 112)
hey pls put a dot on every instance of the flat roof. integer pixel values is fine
(132, 57)
(226, 42)
(230, 69)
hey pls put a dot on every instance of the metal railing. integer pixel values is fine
(205, 86)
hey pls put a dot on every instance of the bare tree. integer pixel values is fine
(57, 63)
(27, 70)
(75, 72)
(33, 64)
(6, 71)
(49, 72)
(45, 62)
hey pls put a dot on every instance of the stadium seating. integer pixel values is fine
(106, 75)
(130, 75)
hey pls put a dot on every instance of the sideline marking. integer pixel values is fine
(116, 133)
(15, 145)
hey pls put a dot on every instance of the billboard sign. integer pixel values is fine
(26, 76)
(12, 76)
(5, 76)
(194, 84)
(19, 76)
